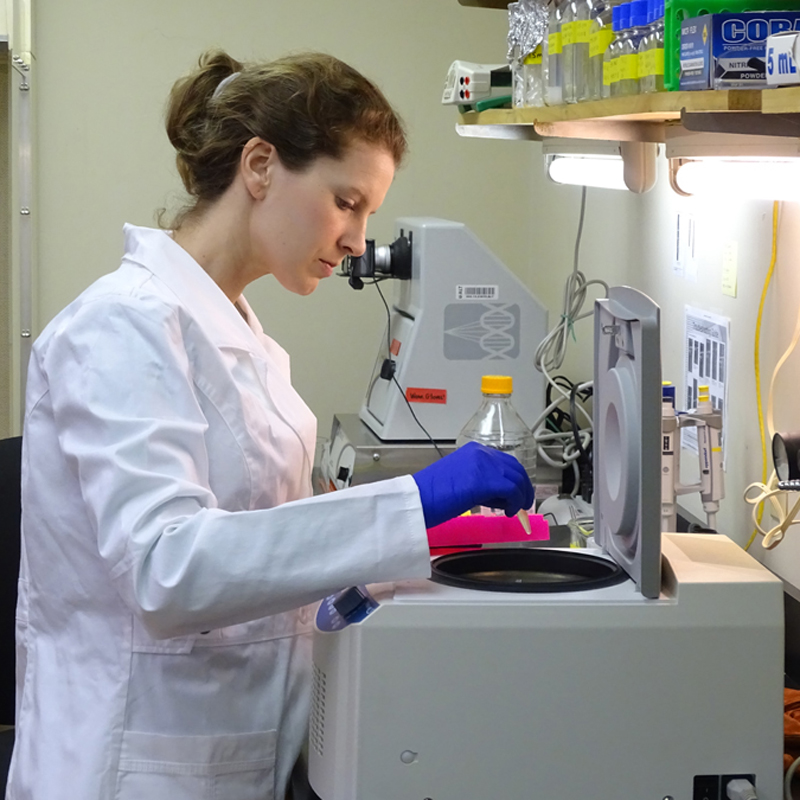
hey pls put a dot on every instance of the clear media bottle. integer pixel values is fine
(641, 29)
(627, 67)
(554, 90)
(651, 51)
(567, 54)
(646, 43)
(659, 48)
(601, 35)
(575, 46)
(497, 424)
(612, 52)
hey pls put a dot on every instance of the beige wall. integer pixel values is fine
(749, 225)
(104, 69)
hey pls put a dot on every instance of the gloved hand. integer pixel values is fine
(473, 475)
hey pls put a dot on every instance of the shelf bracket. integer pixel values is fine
(745, 122)
(604, 129)
(505, 131)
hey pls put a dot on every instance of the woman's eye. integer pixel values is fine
(345, 205)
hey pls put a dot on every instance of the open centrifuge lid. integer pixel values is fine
(627, 434)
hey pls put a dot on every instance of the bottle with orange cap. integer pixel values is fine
(497, 424)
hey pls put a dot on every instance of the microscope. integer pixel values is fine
(458, 313)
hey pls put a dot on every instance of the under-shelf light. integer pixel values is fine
(602, 164)
(733, 166)
(604, 172)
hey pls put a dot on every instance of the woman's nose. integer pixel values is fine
(354, 239)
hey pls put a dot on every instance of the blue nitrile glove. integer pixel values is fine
(473, 475)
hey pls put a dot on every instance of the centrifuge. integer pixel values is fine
(649, 668)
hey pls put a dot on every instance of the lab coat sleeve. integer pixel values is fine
(130, 425)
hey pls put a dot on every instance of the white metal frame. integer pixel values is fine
(17, 17)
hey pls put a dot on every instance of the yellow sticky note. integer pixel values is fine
(729, 268)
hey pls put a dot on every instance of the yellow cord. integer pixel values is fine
(758, 363)
(781, 361)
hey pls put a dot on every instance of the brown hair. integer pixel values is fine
(307, 105)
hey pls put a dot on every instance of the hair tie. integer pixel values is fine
(222, 84)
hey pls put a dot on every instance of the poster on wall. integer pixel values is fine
(706, 347)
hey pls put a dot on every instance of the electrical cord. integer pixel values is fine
(543, 436)
(574, 442)
(550, 438)
(769, 492)
(394, 380)
(573, 417)
(375, 378)
(787, 780)
(584, 462)
(552, 349)
(788, 352)
(416, 419)
(765, 487)
(558, 420)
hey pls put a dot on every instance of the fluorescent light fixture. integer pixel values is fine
(772, 179)
(604, 172)
(734, 167)
(601, 164)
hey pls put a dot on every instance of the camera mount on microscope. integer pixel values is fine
(385, 261)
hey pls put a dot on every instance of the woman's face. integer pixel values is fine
(309, 221)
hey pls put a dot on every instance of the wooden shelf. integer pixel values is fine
(781, 101)
(646, 117)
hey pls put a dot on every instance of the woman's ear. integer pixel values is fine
(255, 165)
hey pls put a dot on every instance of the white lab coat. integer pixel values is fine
(170, 545)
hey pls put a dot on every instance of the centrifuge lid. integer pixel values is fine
(627, 434)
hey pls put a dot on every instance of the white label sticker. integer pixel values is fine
(476, 292)
(706, 340)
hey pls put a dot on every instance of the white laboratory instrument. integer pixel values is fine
(467, 82)
(621, 672)
(461, 315)
(354, 455)
(458, 314)
(711, 475)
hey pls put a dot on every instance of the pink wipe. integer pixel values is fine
(476, 529)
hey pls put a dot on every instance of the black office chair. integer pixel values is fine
(10, 467)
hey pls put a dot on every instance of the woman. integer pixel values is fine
(170, 543)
